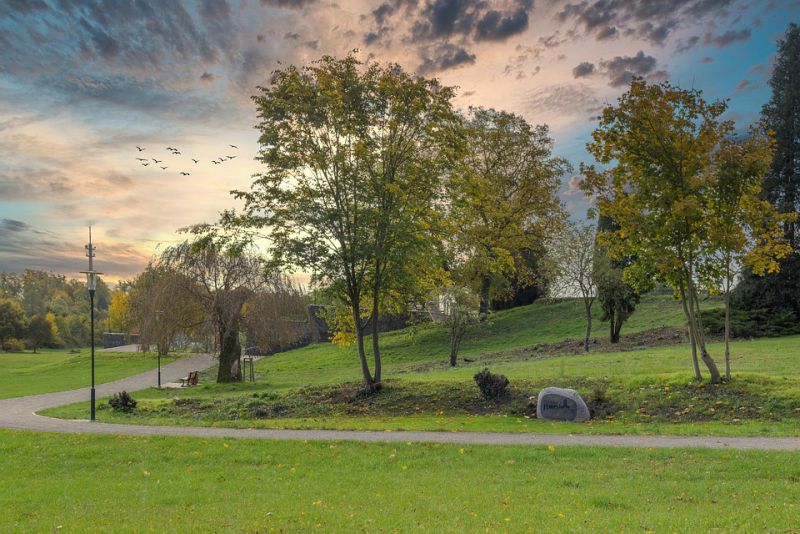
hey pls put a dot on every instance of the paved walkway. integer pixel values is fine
(19, 413)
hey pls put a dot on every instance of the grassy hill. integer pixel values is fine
(426, 347)
(642, 389)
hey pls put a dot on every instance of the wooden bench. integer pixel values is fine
(190, 380)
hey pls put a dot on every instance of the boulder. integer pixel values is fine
(560, 404)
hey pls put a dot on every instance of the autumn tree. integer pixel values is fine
(617, 298)
(119, 311)
(12, 321)
(353, 157)
(503, 199)
(743, 229)
(216, 271)
(660, 143)
(40, 332)
(160, 307)
(572, 256)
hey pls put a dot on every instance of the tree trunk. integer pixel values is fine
(692, 341)
(716, 378)
(727, 329)
(616, 328)
(229, 353)
(484, 307)
(376, 350)
(362, 356)
(588, 327)
(456, 334)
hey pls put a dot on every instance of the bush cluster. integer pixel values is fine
(752, 323)
(122, 402)
(13, 345)
(492, 386)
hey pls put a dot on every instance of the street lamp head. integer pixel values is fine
(91, 274)
(91, 280)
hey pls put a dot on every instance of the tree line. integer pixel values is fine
(380, 188)
(39, 309)
(391, 198)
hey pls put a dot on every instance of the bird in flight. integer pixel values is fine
(234, 146)
(145, 164)
(231, 157)
(184, 174)
(196, 160)
(140, 149)
(171, 149)
(163, 168)
(176, 153)
(142, 159)
(157, 160)
(215, 162)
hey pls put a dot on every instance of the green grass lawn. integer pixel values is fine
(646, 390)
(50, 370)
(649, 391)
(86, 483)
(405, 351)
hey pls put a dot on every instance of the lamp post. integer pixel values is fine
(159, 318)
(91, 284)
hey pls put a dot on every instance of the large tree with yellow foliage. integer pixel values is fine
(677, 183)
(503, 199)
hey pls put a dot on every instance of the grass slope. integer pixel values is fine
(26, 373)
(405, 350)
(165, 484)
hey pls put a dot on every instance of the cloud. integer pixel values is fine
(583, 69)
(573, 186)
(12, 225)
(208, 77)
(445, 23)
(621, 69)
(291, 4)
(650, 20)
(495, 26)
(574, 99)
(609, 32)
(655, 33)
(744, 85)
(728, 38)
(687, 44)
(23, 246)
(443, 18)
(443, 57)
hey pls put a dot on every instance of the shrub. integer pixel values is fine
(491, 386)
(13, 345)
(122, 402)
(752, 323)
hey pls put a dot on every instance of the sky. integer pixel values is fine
(83, 83)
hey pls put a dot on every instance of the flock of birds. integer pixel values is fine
(145, 162)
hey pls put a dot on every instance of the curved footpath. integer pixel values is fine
(19, 413)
